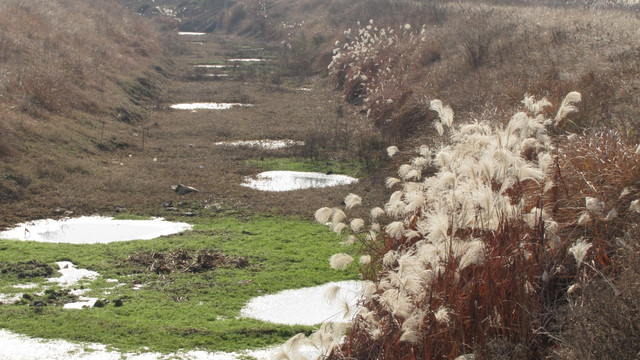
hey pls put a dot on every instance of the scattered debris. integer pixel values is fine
(185, 260)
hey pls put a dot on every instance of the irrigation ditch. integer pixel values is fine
(183, 293)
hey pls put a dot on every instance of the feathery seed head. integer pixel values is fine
(337, 228)
(356, 225)
(612, 214)
(567, 107)
(442, 315)
(584, 219)
(376, 213)
(395, 229)
(392, 150)
(352, 200)
(322, 215)
(332, 293)
(579, 251)
(337, 216)
(391, 182)
(594, 204)
(340, 261)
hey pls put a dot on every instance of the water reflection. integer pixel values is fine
(295, 180)
(93, 230)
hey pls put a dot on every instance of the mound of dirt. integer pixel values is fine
(29, 269)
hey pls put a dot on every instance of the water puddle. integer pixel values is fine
(302, 306)
(263, 144)
(295, 180)
(208, 106)
(245, 60)
(306, 306)
(93, 230)
(71, 275)
(20, 347)
(188, 33)
(208, 66)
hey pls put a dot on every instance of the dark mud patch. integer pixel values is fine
(29, 269)
(50, 297)
(183, 261)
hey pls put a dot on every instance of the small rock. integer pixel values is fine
(245, 282)
(171, 208)
(27, 296)
(117, 303)
(183, 189)
(189, 213)
(99, 304)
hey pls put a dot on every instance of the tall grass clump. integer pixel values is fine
(478, 258)
(371, 69)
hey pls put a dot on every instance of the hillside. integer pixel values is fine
(76, 80)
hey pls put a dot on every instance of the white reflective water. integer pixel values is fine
(306, 306)
(208, 106)
(245, 60)
(191, 33)
(208, 66)
(295, 180)
(93, 230)
(263, 144)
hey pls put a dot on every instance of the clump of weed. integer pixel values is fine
(369, 70)
(184, 260)
(485, 252)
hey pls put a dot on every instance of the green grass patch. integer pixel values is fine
(345, 167)
(177, 309)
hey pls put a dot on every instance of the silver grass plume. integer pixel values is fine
(352, 200)
(340, 261)
(337, 228)
(567, 106)
(392, 151)
(365, 259)
(322, 215)
(444, 112)
(332, 293)
(376, 213)
(391, 182)
(579, 251)
(356, 225)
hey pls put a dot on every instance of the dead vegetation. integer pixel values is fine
(182, 260)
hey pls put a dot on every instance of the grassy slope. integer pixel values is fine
(77, 78)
